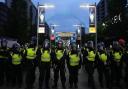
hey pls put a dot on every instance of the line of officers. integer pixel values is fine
(17, 60)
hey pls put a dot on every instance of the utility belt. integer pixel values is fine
(3, 60)
(45, 63)
(31, 61)
(104, 63)
(90, 63)
(117, 63)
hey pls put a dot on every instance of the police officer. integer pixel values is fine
(125, 56)
(5, 63)
(85, 54)
(59, 65)
(91, 62)
(16, 56)
(30, 59)
(74, 64)
(44, 65)
(103, 66)
(116, 64)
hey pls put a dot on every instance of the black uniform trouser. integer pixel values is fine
(17, 75)
(126, 75)
(103, 71)
(60, 70)
(73, 76)
(44, 70)
(30, 74)
(4, 72)
(90, 71)
(116, 73)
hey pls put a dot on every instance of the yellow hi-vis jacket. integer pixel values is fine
(31, 54)
(103, 57)
(16, 59)
(45, 57)
(117, 56)
(74, 60)
(59, 54)
(91, 56)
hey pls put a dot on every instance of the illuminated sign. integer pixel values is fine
(41, 20)
(41, 30)
(92, 20)
(41, 15)
(65, 34)
(92, 16)
(52, 37)
(92, 30)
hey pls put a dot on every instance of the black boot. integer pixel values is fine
(47, 87)
(70, 86)
(63, 85)
(54, 86)
(76, 86)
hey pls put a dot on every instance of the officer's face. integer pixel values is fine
(74, 48)
(59, 45)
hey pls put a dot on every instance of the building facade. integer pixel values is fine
(31, 13)
(3, 18)
(102, 10)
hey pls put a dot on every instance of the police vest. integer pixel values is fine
(103, 57)
(74, 60)
(91, 56)
(59, 54)
(45, 57)
(16, 59)
(117, 56)
(31, 54)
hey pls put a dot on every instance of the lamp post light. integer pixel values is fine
(92, 17)
(41, 18)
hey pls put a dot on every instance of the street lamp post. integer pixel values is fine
(79, 30)
(92, 6)
(41, 17)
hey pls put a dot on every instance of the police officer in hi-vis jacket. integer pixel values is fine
(74, 64)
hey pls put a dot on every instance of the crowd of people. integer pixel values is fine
(111, 62)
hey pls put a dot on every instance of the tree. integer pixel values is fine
(18, 21)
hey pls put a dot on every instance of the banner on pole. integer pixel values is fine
(92, 30)
(92, 20)
(41, 19)
(41, 30)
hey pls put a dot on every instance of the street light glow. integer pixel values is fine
(46, 6)
(54, 25)
(103, 24)
(86, 6)
(76, 25)
(52, 31)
